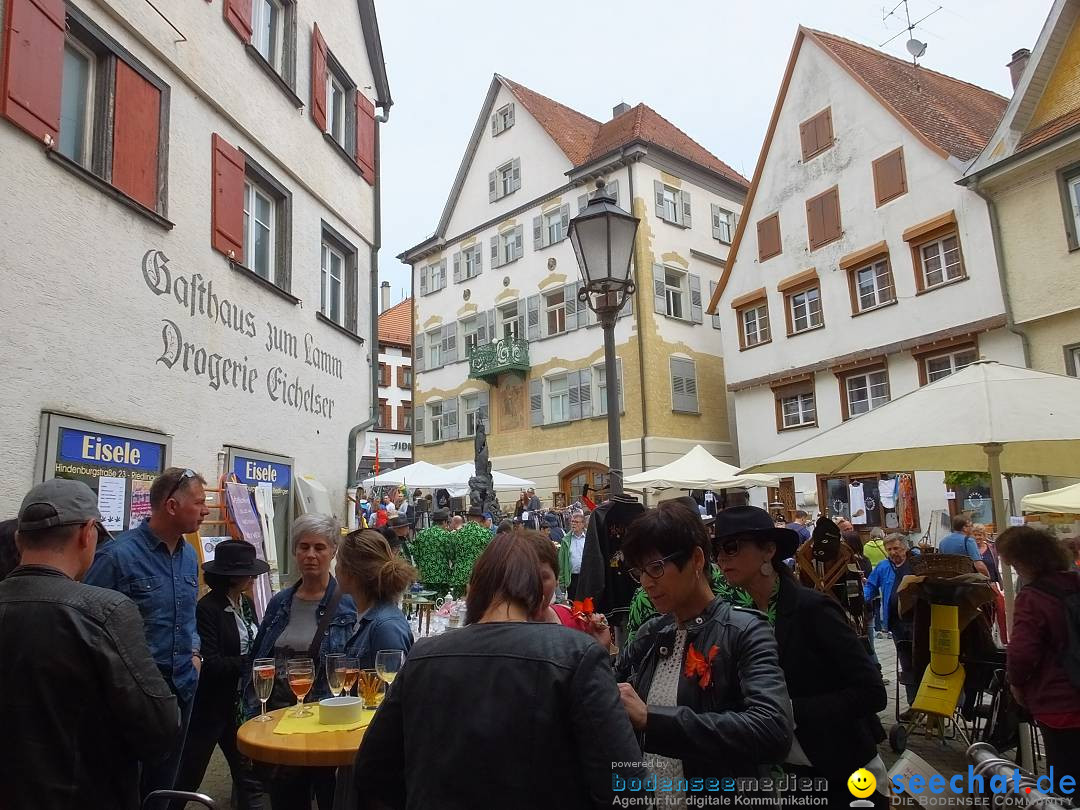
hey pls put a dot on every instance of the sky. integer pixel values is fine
(711, 67)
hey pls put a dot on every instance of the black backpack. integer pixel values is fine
(1070, 600)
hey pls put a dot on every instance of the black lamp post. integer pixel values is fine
(603, 239)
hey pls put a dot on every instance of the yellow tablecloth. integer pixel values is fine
(289, 724)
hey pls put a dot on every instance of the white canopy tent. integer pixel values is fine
(698, 469)
(1066, 499)
(418, 474)
(502, 481)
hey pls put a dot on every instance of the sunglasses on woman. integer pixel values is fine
(656, 568)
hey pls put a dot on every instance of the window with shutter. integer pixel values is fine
(136, 126)
(890, 179)
(227, 200)
(339, 281)
(683, 385)
(685, 210)
(599, 374)
(502, 119)
(723, 224)
(816, 134)
(823, 218)
(365, 137)
(318, 78)
(695, 298)
(536, 402)
(715, 318)
(768, 237)
(418, 352)
(33, 61)
(238, 16)
(532, 308)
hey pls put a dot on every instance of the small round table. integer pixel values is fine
(335, 749)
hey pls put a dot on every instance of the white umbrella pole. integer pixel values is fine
(993, 458)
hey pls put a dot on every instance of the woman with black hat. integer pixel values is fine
(836, 690)
(226, 622)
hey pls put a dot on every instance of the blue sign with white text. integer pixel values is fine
(253, 471)
(109, 451)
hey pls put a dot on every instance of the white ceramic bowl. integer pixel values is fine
(340, 710)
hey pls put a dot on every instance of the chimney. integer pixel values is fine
(619, 109)
(1018, 65)
(384, 294)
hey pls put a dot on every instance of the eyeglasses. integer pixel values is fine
(656, 568)
(184, 476)
(728, 547)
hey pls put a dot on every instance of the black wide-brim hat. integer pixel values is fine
(399, 522)
(235, 558)
(755, 522)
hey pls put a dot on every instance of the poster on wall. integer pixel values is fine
(118, 468)
(273, 473)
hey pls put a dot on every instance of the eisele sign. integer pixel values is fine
(196, 297)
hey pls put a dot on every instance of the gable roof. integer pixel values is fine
(583, 139)
(956, 116)
(1012, 135)
(952, 117)
(395, 324)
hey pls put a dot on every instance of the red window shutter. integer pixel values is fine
(33, 66)
(318, 79)
(135, 136)
(365, 137)
(227, 200)
(238, 16)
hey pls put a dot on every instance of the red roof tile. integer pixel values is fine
(954, 115)
(1049, 130)
(573, 132)
(583, 139)
(395, 324)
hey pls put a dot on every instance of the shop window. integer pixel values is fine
(874, 500)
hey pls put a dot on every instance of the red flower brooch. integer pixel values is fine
(700, 665)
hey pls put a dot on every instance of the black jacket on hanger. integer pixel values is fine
(603, 573)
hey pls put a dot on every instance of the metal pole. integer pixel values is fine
(611, 375)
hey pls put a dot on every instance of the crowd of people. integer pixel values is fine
(118, 680)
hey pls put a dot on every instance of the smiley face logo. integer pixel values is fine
(861, 783)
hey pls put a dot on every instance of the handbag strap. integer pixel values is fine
(324, 622)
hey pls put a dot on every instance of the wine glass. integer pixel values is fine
(388, 663)
(301, 672)
(335, 673)
(262, 678)
(350, 673)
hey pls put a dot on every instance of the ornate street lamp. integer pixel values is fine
(603, 239)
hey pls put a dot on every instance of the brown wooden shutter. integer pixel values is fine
(136, 130)
(365, 137)
(238, 16)
(816, 134)
(401, 417)
(227, 200)
(823, 218)
(401, 377)
(808, 137)
(33, 66)
(890, 179)
(768, 233)
(318, 78)
(823, 122)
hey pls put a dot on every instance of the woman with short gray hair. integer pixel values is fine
(311, 619)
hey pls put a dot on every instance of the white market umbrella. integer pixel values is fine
(988, 417)
(500, 480)
(698, 469)
(418, 474)
(1066, 499)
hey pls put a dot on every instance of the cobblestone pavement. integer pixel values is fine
(947, 758)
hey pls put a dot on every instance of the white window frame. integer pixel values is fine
(504, 175)
(762, 328)
(86, 147)
(253, 191)
(938, 248)
(434, 349)
(675, 298)
(881, 293)
(334, 120)
(507, 246)
(509, 328)
(672, 198)
(563, 397)
(875, 378)
(724, 223)
(268, 36)
(934, 376)
(326, 283)
(807, 310)
(556, 310)
(505, 119)
(599, 377)
(470, 406)
(437, 279)
(469, 328)
(435, 419)
(1073, 187)
(804, 412)
(470, 266)
(553, 227)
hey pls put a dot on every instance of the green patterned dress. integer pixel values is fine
(430, 551)
(466, 544)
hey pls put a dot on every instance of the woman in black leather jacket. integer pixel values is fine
(705, 690)
(508, 711)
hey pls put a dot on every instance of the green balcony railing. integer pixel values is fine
(507, 354)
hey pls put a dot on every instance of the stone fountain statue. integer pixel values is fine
(481, 485)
